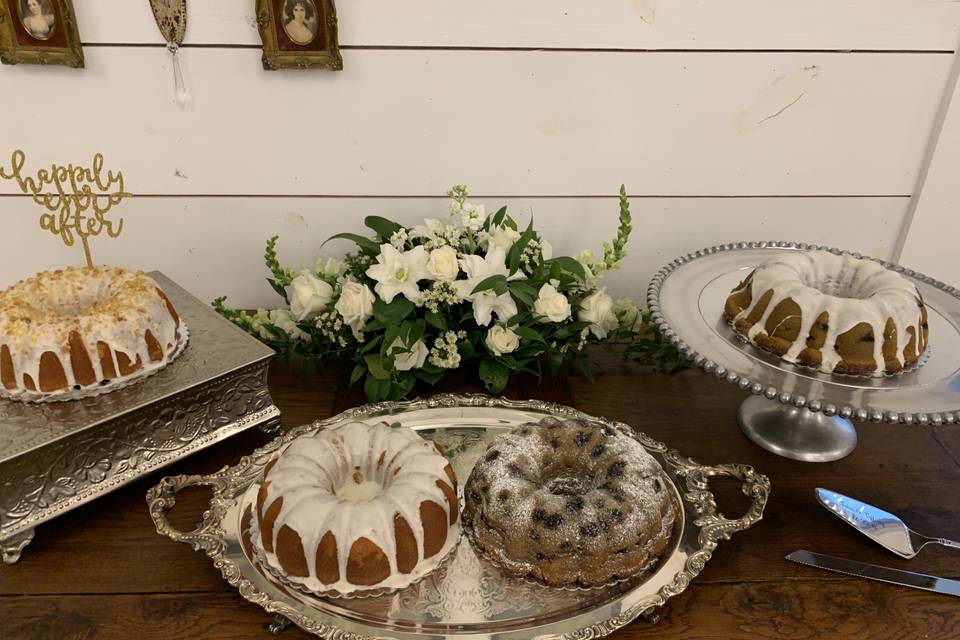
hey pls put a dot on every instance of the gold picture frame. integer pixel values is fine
(39, 32)
(299, 34)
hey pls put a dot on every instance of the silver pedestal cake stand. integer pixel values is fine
(795, 411)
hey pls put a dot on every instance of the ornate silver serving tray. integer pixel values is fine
(56, 456)
(466, 598)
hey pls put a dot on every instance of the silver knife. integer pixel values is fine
(880, 526)
(874, 572)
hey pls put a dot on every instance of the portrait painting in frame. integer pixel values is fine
(299, 34)
(39, 32)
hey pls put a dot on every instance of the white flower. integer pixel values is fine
(413, 359)
(308, 296)
(597, 309)
(486, 302)
(355, 305)
(551, 304)
(546, 249)
(399, 238)
(397, 272)
(503, 237)
(283, 320)
(628, 315)
(430, 229)
(455, 208)
(501, 340)
(586, 260)
(257, 322)
(442, 264)
(332, 268)
(472, 215)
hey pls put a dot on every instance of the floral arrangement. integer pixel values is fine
(411, 304)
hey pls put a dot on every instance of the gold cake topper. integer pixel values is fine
(77, 199)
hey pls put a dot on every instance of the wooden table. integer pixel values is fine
(103, 572)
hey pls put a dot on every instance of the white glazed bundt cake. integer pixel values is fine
(357, 508)
(837, 313)
(79, 331)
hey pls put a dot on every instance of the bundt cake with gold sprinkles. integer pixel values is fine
(75, 332)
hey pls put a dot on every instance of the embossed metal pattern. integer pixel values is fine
(54, 457)
(686, 300)
(468, 596)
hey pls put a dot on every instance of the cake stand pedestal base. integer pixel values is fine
(799, 434)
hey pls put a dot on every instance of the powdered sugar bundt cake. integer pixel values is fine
(357, 508)
(834, 312)
(569, 503)
(78, 331)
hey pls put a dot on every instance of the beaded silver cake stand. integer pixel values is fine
(794, 411)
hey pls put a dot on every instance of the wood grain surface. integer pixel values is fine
(103, 572)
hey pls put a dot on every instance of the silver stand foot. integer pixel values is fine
(279, 625)
(12, 547)
(794, 433)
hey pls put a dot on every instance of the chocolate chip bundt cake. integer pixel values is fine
(838, 313)
(569, 503)
(357, 508)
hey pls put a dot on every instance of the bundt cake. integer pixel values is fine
(357, 508)
(79, 331)
(838, 313)
(569, 503)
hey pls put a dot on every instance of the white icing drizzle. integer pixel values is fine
(103, 304)
(311, 470)
(851, 290)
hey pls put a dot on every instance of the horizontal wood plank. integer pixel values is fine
(619, 24)
(509, 123)
(797, 609)
(214, 246)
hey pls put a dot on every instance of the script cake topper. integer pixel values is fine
(77, 199)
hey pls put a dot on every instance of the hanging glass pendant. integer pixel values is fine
(171, 17)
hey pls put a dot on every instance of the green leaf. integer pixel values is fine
(384, 228)
(430, 377)
(523, 292)
(498, 217)
(436, 320)
(402, 386)
(373, 325)
(584, 365)
(392, 314)
(279, 289)
(529, 333)
(513, 256)
(370, 345)
(413, 331)
(357, 373)
(494, 375)
(375, 389)
(497, 283)
(568, 264)
(375, 364)
(556, 362)
(366, 244)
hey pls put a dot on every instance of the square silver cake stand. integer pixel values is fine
(57, 456)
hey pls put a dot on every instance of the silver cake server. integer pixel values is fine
(883, 574)
(879, 525)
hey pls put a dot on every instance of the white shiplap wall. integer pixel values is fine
(727, 120)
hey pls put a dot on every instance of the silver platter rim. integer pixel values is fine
(775, 387)
(219, 533)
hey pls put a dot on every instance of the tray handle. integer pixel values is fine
(162, 498)
(754, 485)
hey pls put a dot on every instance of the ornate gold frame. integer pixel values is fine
(274, 58)
(12, 52)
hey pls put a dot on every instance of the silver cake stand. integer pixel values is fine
(795, 411)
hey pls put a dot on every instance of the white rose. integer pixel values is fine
(355, 305)
(503, 237)
(414, 359)
(501, 340)
(551, 304)
(283, 320)
(597, 309)
(308, 296)
(442, 263)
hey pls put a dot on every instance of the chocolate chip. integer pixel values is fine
(574, 505)
(616, 515)
(589, 529)
(539, 515)
(504, 495)
(566, 545)
(553, 521)
(525, 431)
(555, 443)
(516, 471)
(657, 486)
(533, 535)
(582, 438)
(616, 469)
(492, 455)
(598, 451)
